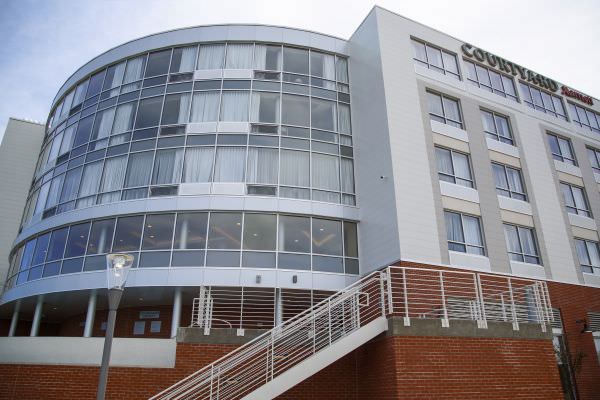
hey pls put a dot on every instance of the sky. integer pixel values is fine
(44, 42)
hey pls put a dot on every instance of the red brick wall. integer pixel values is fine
(387, 368)
(575, 302)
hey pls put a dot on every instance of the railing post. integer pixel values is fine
(538, 306)
(329, 318)
(382, 292)
(404, 287)
(445, 322)
(482, 323)
(503, 307)
(390, 291)
(512, 306)
(272, 353)
(212, 375)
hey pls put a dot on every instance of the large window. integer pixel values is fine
(464, 233)
(435, 58)
(584, 117)
(497, 127)
(589, 255)
(509, 182)
(522, 244)
(561, 149)
(594, 157)
(575, 199)
(444, 109)
(490, 80)
(453, 167)
(543, 101)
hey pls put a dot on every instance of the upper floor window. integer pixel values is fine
(453, 167)
(543, 101)
(575, 199)
(497, 127)
(584, 117)
(594, 157)
(464, 233)
(561, 148)
(490, 80)
(589, 256)
(444, 109)
(509, 182)
(521, 243)
(435, 58)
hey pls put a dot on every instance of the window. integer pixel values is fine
(184, 59)
(198, 164)
(543, 101)
(323, 114)
(128, 233)
(176, 108)
(229, 164)
(211, 56)
(575, 199)
(139, 169)
(444, 109)
(453, 167)
(158, 63)
(267, 57)
(325, 172)
(260, 231)
(262, 165)
(509, 182)
(234, 106)
(295, 110)
(594, 157)
(124, 118)
(589, 256)
(497, 127)
(190, 232)
(101, 236)
(464, 233)
(148, 113)
(265, 107)
(134, 69)
(322, 65)
(225, 231)
(205, 107)
(239, 56)
(295, 60)
(158, 232)
(521, 243)
(167, 166)
(561, 149)
(77, 241)
(434, 58)
(295, 167)
(57, 244)
(584, 117)
(490, 80)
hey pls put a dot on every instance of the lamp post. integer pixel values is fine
(117, 268)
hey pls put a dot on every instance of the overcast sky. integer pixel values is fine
(44, 42)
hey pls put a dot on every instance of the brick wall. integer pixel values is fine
(575, 302)
(386, 368)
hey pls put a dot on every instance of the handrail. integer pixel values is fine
(406, 292)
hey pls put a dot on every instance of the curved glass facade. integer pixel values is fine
(234, 118)
(191, 239)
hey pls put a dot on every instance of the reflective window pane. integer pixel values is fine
(158, 232)
(326, 236)
(128, 234)
(148, 113)
(77, 241)
(57, 244)
(260, 231)
(190, 232)
(350, 240)
(295, 60)
(158, 63)
(225, 231)
(101, 236)
(294, 234)
(41, 248)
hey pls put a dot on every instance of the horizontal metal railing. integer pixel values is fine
(394, 292)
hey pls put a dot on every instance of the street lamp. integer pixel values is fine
(117, 268)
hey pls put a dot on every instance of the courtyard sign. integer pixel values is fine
(509, 67)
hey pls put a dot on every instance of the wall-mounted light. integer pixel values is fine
(295, 279)
(585, 328)
(258, 278)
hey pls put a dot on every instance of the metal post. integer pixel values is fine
(278, 307)
(114, 298)
(483, 323)
(512, 307)
(91, 313)
(329, 317)
(15, 318)
(389, 291)
(406, 317)
(503, 307)
(37, 316)
(445, 323)
(176, 312)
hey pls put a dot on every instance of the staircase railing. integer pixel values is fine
(396, 291)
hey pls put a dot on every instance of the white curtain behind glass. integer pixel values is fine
(472, 231)
(514, 180)
(264, 107)
(167, 166)
(461, 166)
(499, 176)
(347, 175)
(90, 179)
(229, 164)
(341, 68)
(205, 107)
(67, 139)
(134, 69)
(344, 118)
(123, 118)
(103, 123)
(512, 239)
(188, 59)
(294, 168)
(117, 77)
(114, 173)
(325, 171)
(211, 56)
(528, 241)
(139, 169)
(267, 57)
(262, 165)
(198, 164)
(454, 227)
(239, 56)
(184, 107)
(234, 106)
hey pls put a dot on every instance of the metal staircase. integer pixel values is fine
(303, 345)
